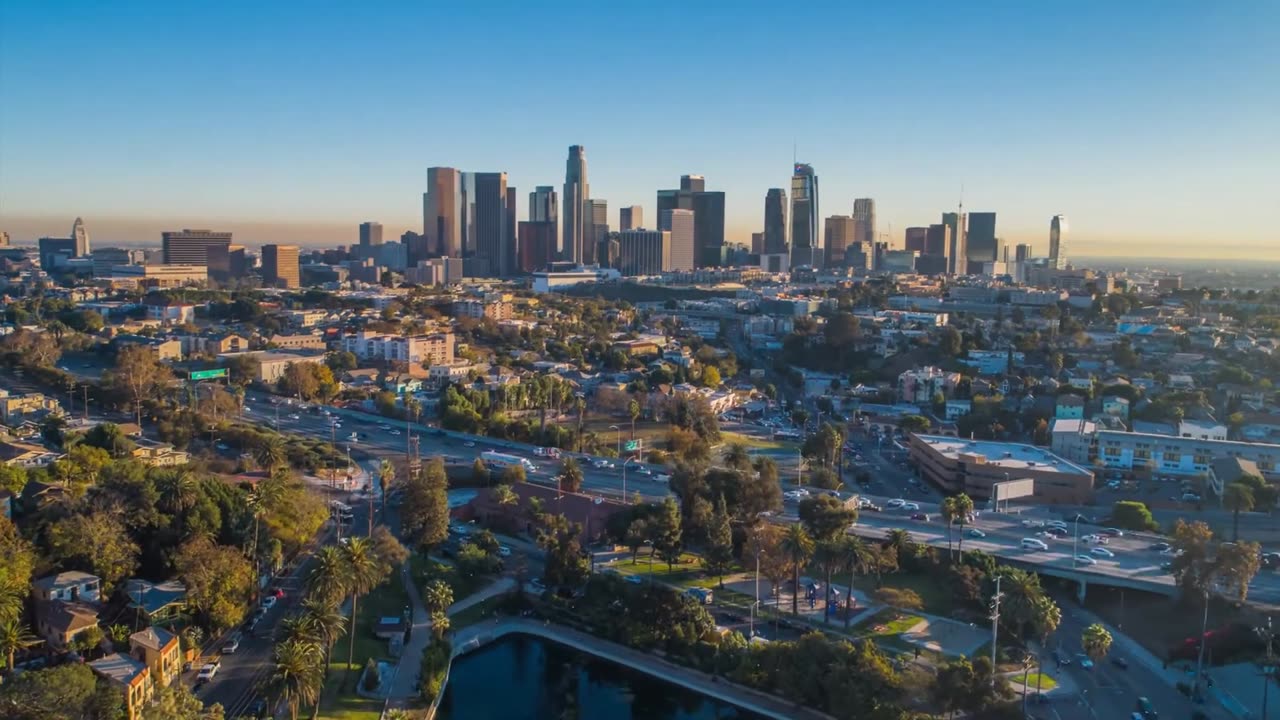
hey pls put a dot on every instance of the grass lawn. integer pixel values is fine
(755, 443)
(891, 622)
(423, 570)
(1046, 683)
(933, 592)
(689, 567)
(477, 612)
(338, 700)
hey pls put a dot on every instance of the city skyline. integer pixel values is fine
(1053, 138)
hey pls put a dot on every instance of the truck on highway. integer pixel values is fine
(501, 461)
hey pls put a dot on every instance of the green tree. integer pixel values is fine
(220, 581)
(825, 517)
(364, 573)
(570, 475)
(64, 691)
(719, 553)
(437, 595)
(328, 578)
(1096, 642)
(178, 493)
(638, 533)
(176, 702)
(111, 438)
(667, 533)
(386, 478)
(270, 453)
(1236, 565)
(296, 675)
(798, 547)
(480, 472)
(424, 514)
(514, 474)
(738, 457)
(15, 636)
(829, 554)
(16, 570)
(137, 375)
(711, 376)
(1237, 497)
(633, 412)
(914, 423)
(98, 543)
(439, 624)
(1132, 515)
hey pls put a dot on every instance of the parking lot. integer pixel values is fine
(1153, 489)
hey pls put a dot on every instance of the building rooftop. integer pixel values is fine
(119, 668)
(1013, 456)
(154, 638)
(64, 579)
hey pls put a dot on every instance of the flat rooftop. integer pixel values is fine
(1014, 456)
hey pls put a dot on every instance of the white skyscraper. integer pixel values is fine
(81, 237)
(576, 194)
(1058, 242)
(680, 224)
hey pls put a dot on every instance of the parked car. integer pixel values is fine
(269, 602)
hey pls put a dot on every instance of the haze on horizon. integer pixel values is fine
(1150, 125)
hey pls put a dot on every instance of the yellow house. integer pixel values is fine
(158, 454)
(158, 649)
(15, 408)
(131, 677)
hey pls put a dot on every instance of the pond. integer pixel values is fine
(520, 677)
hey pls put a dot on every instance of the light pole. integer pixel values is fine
(1268, 669)
(1075, 541)
(799, 468)
(624, 478)
(1204, 627)
(617, 433)
(995, 626)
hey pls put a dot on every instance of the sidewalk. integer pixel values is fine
(762, 704)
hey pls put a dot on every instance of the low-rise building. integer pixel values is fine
(436, 349)
(70, 585)
(163, 348)
(973, 466)
(212, 344)
(1202, 430)
(154, 453)
(169, 311)
(159, 601)
(272, 365)
(60, 622)
(130, 677)
(919, 386)
(1069, 407)
(300, 341)
(15, 409)
(26, 454)
(159, 650)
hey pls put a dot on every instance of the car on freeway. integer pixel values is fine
(395, 432)
(295, 416)
(662, 478)
(975, 533)
(644, 471)
(911, 506)
(1160, 546)
(1056, 531)
(1102, 552)
(469, 443)
(1113, 532)
(922, 517)
(1086, 560)
(895, 503)
(232, 644)
(1148, 712)
(1061, 658)
(1034, 544)
(1057, 523)
(1033, 523)
(635, 579)
(1094, 539)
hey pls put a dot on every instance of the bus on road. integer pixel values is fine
(501, 461)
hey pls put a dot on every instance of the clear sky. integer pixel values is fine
(1153, 125)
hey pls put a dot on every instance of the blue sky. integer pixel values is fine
(1152, 125)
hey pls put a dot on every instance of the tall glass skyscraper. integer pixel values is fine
(1058, 242)
(864, 221)
(441, 216)
(576, 194)
(775, 221)
(980, 243)
(806, 244)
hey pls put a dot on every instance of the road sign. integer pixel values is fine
(208, 374)
(631, 445)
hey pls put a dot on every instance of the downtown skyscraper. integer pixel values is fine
(442, 216)
(806, 244)
(775, 222)
(495, 231)
(1058, 242)
(630, 218)
(370, 234)
(864, 221)
(576, 194)
(708, 217)
(981, 246)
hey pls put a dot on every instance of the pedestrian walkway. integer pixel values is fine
(769, 706)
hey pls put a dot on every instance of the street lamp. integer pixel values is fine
(1269, 668)
(617, 432)
(624, 478)
(1075, 541)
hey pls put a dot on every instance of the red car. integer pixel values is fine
(277, 593)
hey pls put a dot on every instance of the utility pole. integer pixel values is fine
(995, 627)
(1269, 637)
(1204, 627)
(85, 408)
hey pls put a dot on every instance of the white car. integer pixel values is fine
(910, 506)
(645, 471)
(1094, 539)
(662, 478)
(504, 551)
(1033, 523)
(1102, 552)
(896, 503)
(1034, 544)
(395, 432)
(269, 602)
(975, 533)
(1086, 560)
(208, 671)
(295, 416)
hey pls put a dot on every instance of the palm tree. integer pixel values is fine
(329, 579)
(386, 476)
(964, 508)
(439, 624)
(901, 542)
(323, 623)
(633, 411)
(830, 556)
(270, 453)
(1021, 591)
(296, 677)
(1237, 497)
(15, 636)
(178, 493)
(948, 511)
(1045, 618)
(1096, 642)
(798, 547)
(364, 572)
(504, 495)
(438, 595)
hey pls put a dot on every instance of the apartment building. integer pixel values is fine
(437, 349)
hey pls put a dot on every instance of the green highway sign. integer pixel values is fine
(208, 374)
(631, 445)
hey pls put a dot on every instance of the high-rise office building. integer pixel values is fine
(915, 238)
(693, 183)
(937, 240)
(538, 243)
(957, 255)
(370, 234)
(681, 225)
(1022, 252)
(1058, 242)
(674, 200)
(630, 218)
(441, 216)
(191, 247)
(708, 226)
(643, 252)
(806, 245)
(226, 262)
(280, 267)
(838, 234)
(544, 205)
(4, 239)
(864, 221)
(576, 193)
(775, 221)
(757, 243)
(980, 241)
(492, 241)
(596, 229)
(80, 235)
